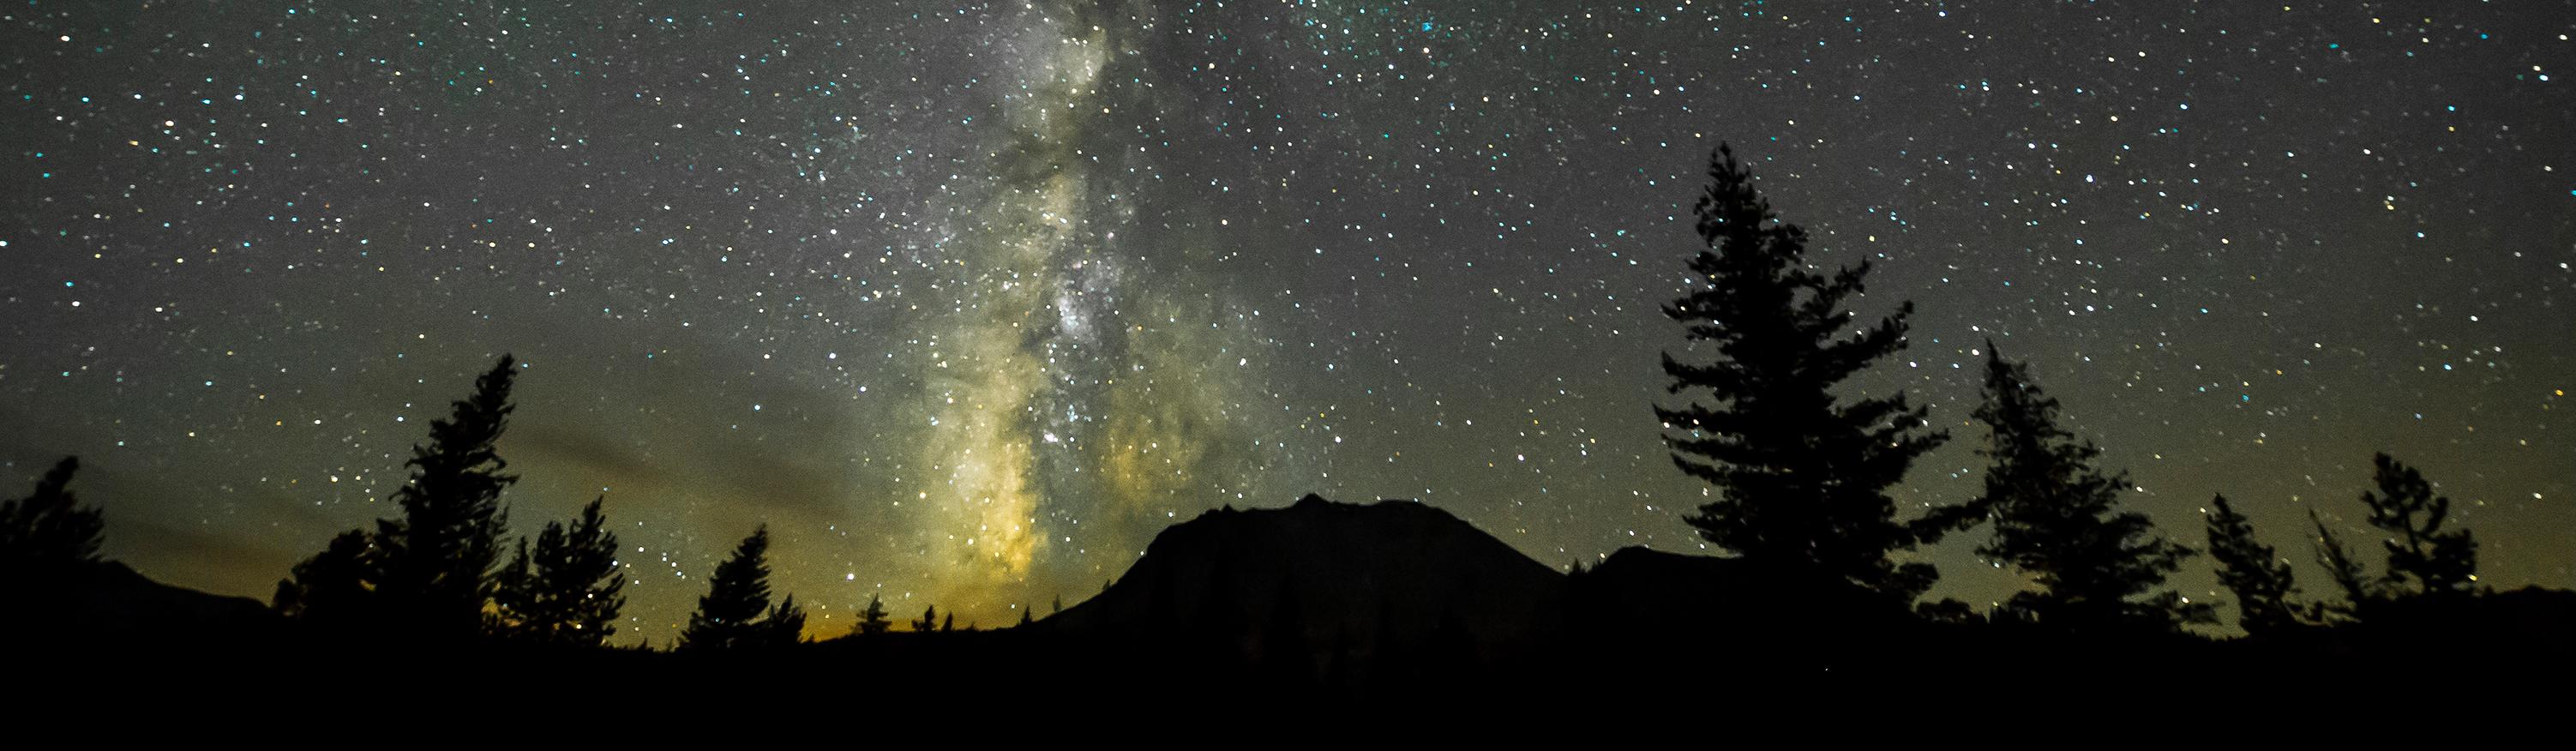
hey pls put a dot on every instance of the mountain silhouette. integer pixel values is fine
(109, 600)
(1322, 587)
(84, 623)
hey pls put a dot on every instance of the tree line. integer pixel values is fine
(1800, 481)
(1801, 478)
(433, 572)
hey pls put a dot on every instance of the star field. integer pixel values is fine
(967, 301)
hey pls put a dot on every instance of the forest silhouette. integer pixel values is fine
(1345, 601)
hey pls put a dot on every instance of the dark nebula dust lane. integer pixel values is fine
(967, 301)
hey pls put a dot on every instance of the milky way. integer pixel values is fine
(966, 301)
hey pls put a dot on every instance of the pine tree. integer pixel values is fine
(514, 598)
(873, 620)
(50, 529)
(735, 612)
(334, 587)
(929, 619)
(2260, 579)
(2057, 518)
(434, 564)
(1801, 480)
(2422, 559)
(949, 622)
(567, 591)
(1028, 615)
(784, 625)
(2341, 567)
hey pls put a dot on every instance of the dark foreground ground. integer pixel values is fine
(2517, 642)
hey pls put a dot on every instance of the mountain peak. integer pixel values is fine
(1366, 576)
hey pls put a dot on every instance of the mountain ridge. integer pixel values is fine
(1337, 579)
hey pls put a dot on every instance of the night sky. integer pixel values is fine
(967, 301)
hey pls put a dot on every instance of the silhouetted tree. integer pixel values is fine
(948, 622)
(2057, 518)
(786, 623)
(2424, 562)
(929, 619)
(2261, 580)
(50, 528)
(2340, 567)
(1059, 605)
(1028, 615)
(731, 614)
(567, 591)
(513, 590)
(2422, 559)
(434, 564)
(872, 620)
(429, 572)
(332, 588)
(1801, 480)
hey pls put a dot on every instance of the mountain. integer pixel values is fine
(109, 601)
(1323, 586)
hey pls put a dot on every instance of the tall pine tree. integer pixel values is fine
(428, 573)
(735, 611)
(2057, 518)
(2425, 563)
(434, 570)
(2252, 570)
(567, 590)
(1801, 478)
(2422, 558)
(2343, 569)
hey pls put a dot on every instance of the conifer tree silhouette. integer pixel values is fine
(785, 623)
(735, 611)
(2340, 566)
(514, 591)
(2425, 563)
(1801, 480)
(2057, 518)
(434, 563)
(429, 573)
(49, 529)
(334, 587)
(568, 590)
(2261, 581)
(872, 620)
(929, 619)
(1028, 615)
(2422, 559)
(948, 622)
